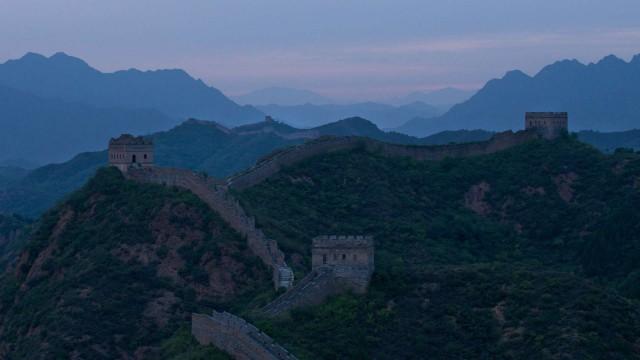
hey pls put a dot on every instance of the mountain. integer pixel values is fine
(198, 145)
(473, 259)
(384, 116)
(46, 130)
(281, 96)
(10, 174)
(172, 92)
(609, 142)
(116, 270)
(601, 96)
(14, 233)
(220, 152)
(442, 98)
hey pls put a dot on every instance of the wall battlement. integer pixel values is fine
(130, 151)
(339, 264)
(549, 125)
(214, 193)
(236, 337)
(273, 163)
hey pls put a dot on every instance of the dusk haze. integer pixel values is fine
(319, 180)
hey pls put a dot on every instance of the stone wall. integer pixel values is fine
(236, 337)
(549, 125)
(273, 163)
(214, 193)
(339, 264)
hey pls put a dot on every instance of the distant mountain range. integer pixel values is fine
(384, 116)
(54, 107)
(173, 92)
(602, 96)
(443, 98)
(282, 96)
(47, 130)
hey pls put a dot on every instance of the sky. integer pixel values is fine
(345, 49)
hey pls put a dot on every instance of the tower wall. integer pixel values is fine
(549, 125)
(127, 151)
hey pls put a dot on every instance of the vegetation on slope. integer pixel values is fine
(14, 232)
(528, 253)
(117, 269)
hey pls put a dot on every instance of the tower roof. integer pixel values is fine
(128, 139)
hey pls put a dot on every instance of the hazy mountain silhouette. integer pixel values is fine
(282, 96)
(172, 92)
(602, 96)
(443, 98)
(384, 116)
(45, 130)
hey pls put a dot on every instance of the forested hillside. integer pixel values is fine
(528, 253)
(116, 270)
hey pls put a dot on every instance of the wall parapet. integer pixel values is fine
(214, 193)
(237, 337)
(274, 162)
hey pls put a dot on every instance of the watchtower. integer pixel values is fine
(549, 125)
(351, 258)
(128, 150)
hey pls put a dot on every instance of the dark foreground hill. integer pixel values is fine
(525, 254)
(602, 96)
(116, 270)
(473, 260)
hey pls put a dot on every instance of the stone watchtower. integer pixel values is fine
(351, 258)
(128, 150)
(549, 125)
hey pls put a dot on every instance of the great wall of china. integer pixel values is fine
(234, 335)
(214, 194)
(272, 164)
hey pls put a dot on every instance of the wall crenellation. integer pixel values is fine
(338, 264)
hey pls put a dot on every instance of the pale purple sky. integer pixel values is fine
(349, 49)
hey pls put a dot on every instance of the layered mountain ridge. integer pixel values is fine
(600, 96)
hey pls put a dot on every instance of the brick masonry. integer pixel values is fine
(236, 337)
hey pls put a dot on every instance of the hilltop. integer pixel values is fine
(116, 270)
(600, 96)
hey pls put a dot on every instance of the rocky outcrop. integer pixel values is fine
(236, 337)
(273, 163)
(215, 194)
